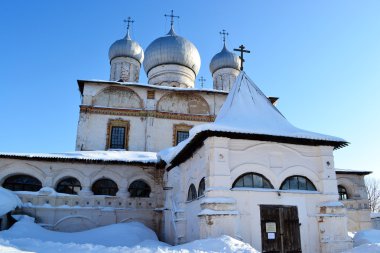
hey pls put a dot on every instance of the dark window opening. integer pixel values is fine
(69, 185)
(252, 180)
(139, 189)
(201, 188)
(298, 183)
(22, 183)
(117, 138)
(192, 193)
(182, 135)
(342, 193)
(105, 187)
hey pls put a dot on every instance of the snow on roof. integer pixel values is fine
(348, 171)
(8, 201)
(248, 111)
(119, 156)
(157, 87)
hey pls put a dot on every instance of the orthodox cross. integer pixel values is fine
(171, 18)
(202, 80)
(224, 34)
(128, 21)
(241, 50)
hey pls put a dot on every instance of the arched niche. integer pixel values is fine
(118, 97)
(186, 103)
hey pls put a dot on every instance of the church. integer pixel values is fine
(191, 163)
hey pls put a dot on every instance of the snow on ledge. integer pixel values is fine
(105, 156)
(331, 204)
(220, 200)
(206, 212)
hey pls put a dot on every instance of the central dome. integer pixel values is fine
(172, 49)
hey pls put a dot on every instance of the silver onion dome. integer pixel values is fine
(172, 49)
(126, 47)
(224, 59)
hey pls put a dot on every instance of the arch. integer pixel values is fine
(300, 171)
(255, 168)
(74, 223)
(297, 182)
(103, 172)
(202, 187)
(105, 186)
(184, 102)
(69, 185)
(139, 189)
(348, 184)
(192, 193)
(343, 194)
(84, 180)
(19, 168)
(118, 97)
(252, 180)
(22, 182)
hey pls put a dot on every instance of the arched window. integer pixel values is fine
(22, 183)
(69, 185)
(252, 180)
(192, 193)
(139, 189)
(201, 188)
(105, 187)
(342, 193)
(298, 183)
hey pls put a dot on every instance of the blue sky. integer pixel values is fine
(322, 58)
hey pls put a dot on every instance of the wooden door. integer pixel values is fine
(280, 229)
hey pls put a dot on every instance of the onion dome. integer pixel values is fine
(172, 49)
(126, 47)
(224, 59)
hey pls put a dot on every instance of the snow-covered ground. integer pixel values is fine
(366, 241)
(26, 236)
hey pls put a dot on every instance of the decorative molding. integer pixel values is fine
(145, 113)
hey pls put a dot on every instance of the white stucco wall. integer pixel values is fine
(221, 161)
(78, 212)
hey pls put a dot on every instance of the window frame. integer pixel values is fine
(253, 174)
(39, 184)
(193, 192)
(117, 123)
(202, 185)
(70, 187)
(298, 184)
(179, 128)
(147, 188)
(341, 193)
(108, 188)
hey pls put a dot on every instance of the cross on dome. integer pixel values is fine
(172, 16)
(202, 80)
(224, 34)
(241, 50)
(129, 21)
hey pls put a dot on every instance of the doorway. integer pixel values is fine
(280, 229)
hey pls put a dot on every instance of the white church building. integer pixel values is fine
(191, 163)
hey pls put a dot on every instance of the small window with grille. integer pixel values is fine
(180, 133)
(117, 134)
(117, 138)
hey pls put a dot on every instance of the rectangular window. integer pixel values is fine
(117, 134)
(182, 135)
(117, 138)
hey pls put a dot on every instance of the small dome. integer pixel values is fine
(172, 49)
(126, 47)
(224, 59)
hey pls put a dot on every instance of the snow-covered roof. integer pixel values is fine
(348, 171)
(157, 87)
(118, 157)
(8, 201)
(248, 114)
